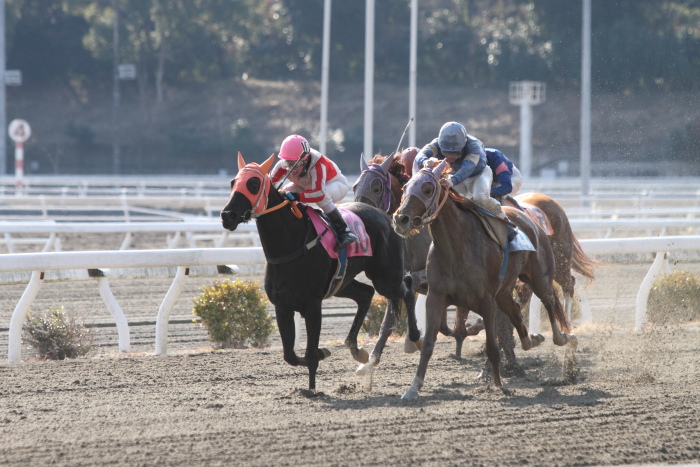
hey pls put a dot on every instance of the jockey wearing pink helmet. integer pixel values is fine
(313, 178)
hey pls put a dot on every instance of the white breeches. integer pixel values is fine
(478, 189)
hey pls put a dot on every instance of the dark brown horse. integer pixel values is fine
(299, 270)
(380, 184)
(464, 264)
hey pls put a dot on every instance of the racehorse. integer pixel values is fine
(464, 268)
(299, 270)
(380, 184)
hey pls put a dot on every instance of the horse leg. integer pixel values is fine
(435, 306)
(313, 354)
(546, 293)
(362, 295)
(488, 313)
(285, 323)
(413, 342)
(506, 343)
(385, 330)
(460, 330)
(511, 308)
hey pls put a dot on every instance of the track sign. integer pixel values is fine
(19, 130)
(127, 71)
(13, 77)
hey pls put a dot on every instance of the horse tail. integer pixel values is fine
(581, 262)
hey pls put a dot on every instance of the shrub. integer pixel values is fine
(235, 314)
(57, 336)
(375, 315)
(675, 298)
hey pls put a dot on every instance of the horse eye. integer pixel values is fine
(253, 185)
(427, 189)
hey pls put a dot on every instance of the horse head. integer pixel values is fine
(419, 203)
(373, 186)
(249, 192)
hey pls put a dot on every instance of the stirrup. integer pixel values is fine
(344, 239)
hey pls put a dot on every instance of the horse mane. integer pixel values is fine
(397, 167)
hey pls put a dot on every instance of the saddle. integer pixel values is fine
(361, 247)
(494, 226)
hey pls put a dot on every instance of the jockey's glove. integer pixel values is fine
(293, 196)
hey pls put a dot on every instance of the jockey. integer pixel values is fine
(507, 179)
(471, 176)
(314, 179)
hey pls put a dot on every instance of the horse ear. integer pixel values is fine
(437, 171)
(363, 162)
(268, 163)
(386, 164)
(241, 162)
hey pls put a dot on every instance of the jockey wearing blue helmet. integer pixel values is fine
(471, 176)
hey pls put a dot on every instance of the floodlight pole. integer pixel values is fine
(116, 150)
(323, 133)
(526, 94)
(369, 78)
(412, 73)
(586, 102)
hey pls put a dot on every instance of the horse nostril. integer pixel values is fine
(401, 220)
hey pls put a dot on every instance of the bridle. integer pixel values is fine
(373, 172)
(259, 201)
(432, 206)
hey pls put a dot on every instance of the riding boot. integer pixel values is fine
(345, 236)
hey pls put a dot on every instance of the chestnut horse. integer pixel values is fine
(464, 264)
(299, 270)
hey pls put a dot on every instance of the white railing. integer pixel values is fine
(40, 263)
(94, 263)
(193, 229)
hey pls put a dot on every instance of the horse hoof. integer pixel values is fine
(326, 353)
(409, 347)
(362, 356)
(364, 369)
(419, 344)
(536, 339)
(410, 394)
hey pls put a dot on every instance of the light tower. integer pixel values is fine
(526, 94)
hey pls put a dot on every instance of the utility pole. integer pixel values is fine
(3, 110)
(116, 156)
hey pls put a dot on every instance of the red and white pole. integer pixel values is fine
(19, 166)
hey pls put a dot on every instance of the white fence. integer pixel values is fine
(40, 263)
(93, 264)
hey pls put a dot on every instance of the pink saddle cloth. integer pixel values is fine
(361, 247)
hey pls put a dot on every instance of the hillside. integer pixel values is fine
(200, 128)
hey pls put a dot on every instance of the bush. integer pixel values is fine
(57, 336)
(375, 315)
(675, 298)
(235, 314)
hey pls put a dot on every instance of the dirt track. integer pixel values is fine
(636, 401)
